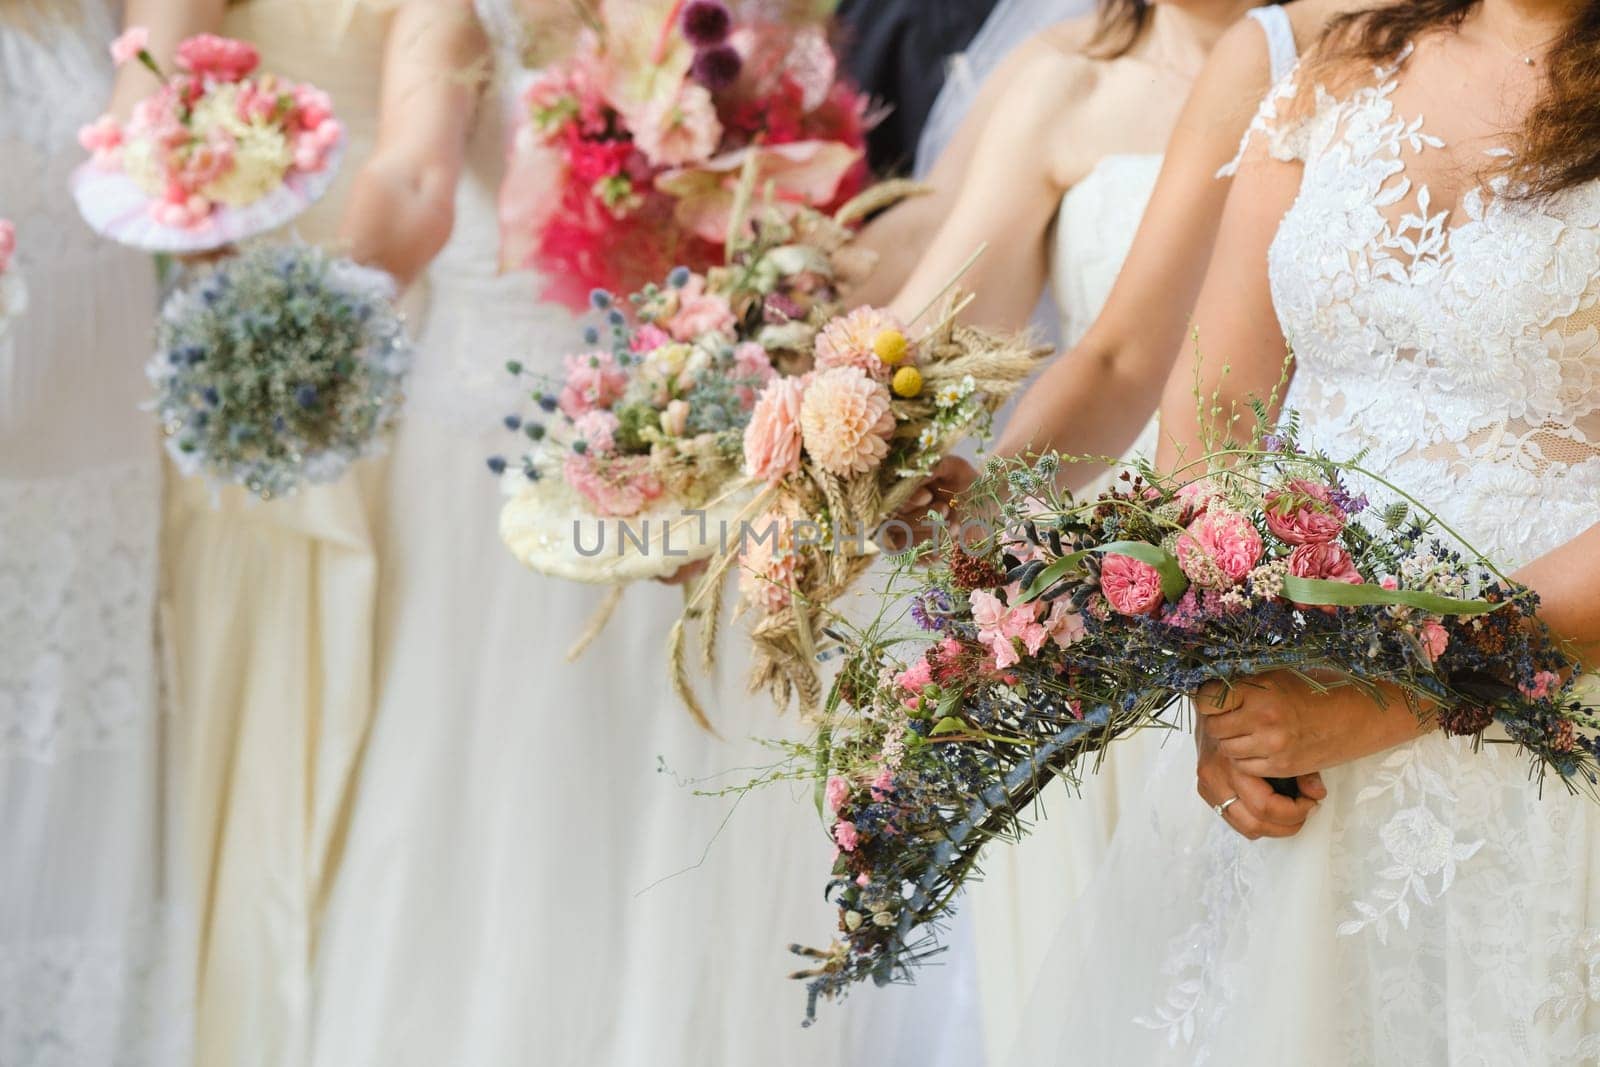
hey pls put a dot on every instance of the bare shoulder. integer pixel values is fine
(1052, 62)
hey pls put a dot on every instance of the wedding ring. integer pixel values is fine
(1222, 808)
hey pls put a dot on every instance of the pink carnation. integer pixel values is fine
(754, 369)
(1000, 626)
(844, 833)
(616, 487)
(848, 341)
(1544, 683)
(772, 437)
(699, 312)
(838, 792)
(220, 58)
(593, 381)
(1434, 639)
(1218, 549)
(313, 107)
(598, 429)
(8, 243)
(845, 421)
(1303, 513)
(1131, 586)
(916, 678)
(1327, 561)
(129, 44)
(103, 138)
(678, 129)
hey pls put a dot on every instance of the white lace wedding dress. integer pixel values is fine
(529, 877)
(94, 964)
(1025, 886)
(1435, 909)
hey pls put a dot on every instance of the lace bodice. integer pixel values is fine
(1460, 349)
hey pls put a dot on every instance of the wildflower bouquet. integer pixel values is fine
(634, 453)
(219, 153)
(837, 453)
(278, 367)
(13, 292)
(1038, 648)
(632, 148)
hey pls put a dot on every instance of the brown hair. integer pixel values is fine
(33, 16)
(1560, 135)
(1118, 26)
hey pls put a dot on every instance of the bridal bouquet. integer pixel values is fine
(279, 367)
(217, 154)
(631, 149)
(836, 453)
(1040, 647)
(13, 292)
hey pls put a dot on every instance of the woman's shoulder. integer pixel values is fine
(1055, 60)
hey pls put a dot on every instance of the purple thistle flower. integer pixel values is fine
(931, 609)
(706, 23)
(717, 67)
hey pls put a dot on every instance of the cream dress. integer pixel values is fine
(272, 608)
(1028, 887)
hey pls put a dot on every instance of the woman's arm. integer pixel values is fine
(169, 21)
(402, 204)
(899, 235)
(1094, 400)
(1008, 199)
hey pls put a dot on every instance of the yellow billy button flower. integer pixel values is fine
(891, 346)
(907, 382)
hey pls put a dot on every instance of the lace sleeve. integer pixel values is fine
(1284, 127)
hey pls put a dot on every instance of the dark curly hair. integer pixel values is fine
(1118, 24)
(1560, 136)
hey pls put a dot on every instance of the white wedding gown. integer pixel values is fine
(95, 964)
(1435, 909)
(527, 879)
(1027, 885)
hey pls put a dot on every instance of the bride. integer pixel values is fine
(1421, 217)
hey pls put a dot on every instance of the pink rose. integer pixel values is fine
(1303, 513)
(772, 438)
(221, 58)
(1327, 561)
(593, 381)
(1434, 639)
(699, 312)
(838, 792)
(916, 678)
(844, 832)
(1131, 586)
(1219, 549)
(125, 48)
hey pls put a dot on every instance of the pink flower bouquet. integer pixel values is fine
(633, 148)
(836, 453)
(218, 154)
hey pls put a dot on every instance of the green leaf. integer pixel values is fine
(1319, 592)
(947, 726)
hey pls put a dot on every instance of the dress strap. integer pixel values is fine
(1274, 22)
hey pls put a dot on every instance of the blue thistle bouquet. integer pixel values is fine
(279, 367)
(1082, 621)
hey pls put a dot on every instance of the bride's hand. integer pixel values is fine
(1259, 811)
(1278, 725)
